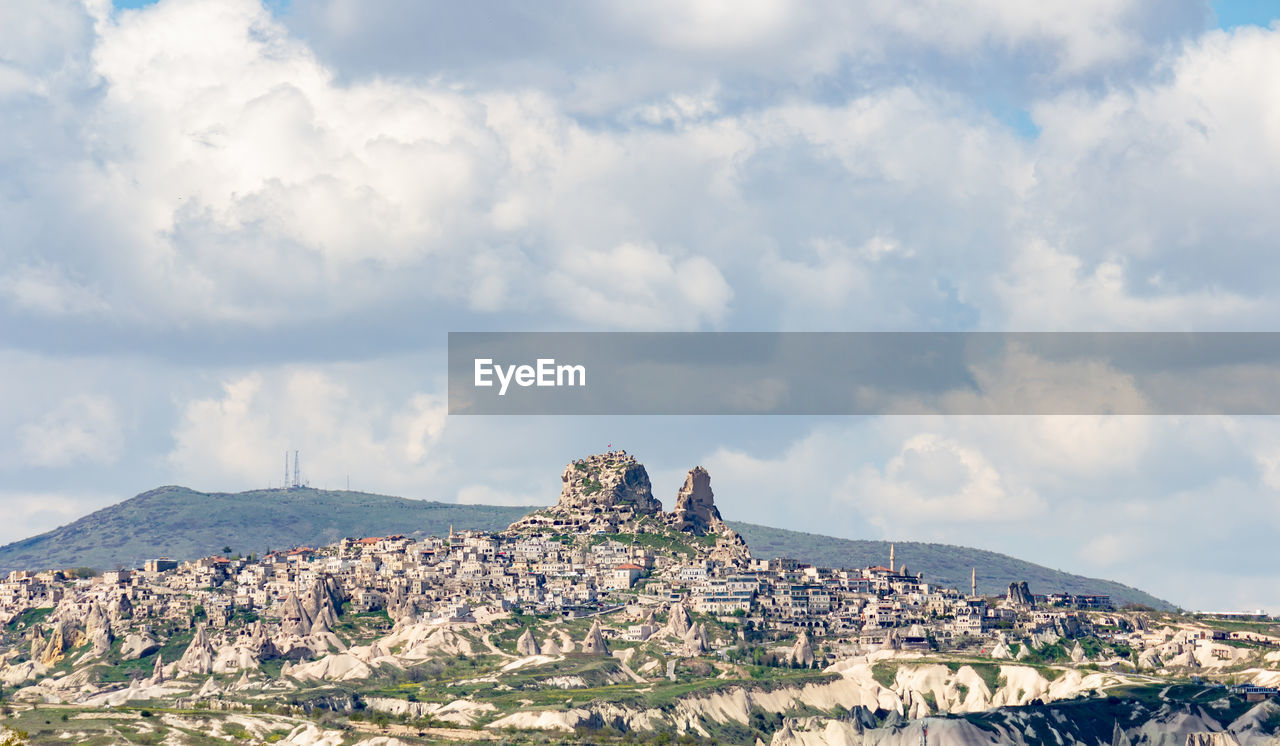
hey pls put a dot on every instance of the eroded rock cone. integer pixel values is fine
(198, 658)
(97, 630)
(695, 640)
(550, 646)
(121, 608)
(255, 639)
(157, 671)
(802, 651)
(678, 622)
(56, 647)
(526, 645)
(293, 617)
(593, 643)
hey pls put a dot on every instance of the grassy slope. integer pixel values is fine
(181, 523)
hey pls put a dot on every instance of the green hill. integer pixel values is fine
(181, 523)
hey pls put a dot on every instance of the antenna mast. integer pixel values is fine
(296, 481)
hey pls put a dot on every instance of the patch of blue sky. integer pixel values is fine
(1229, 14)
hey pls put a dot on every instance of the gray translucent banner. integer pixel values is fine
(855, 373)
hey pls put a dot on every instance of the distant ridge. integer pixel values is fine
(181, 523)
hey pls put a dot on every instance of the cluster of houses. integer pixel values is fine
(454, 577)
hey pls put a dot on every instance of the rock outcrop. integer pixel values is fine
(526, 645)
(138, 644)
(802, 651)
(593, 643)
(198, 659)
(607, 481)
(695, 504)
(599, 492)
(678, 620)
(695, 510)
(58, 644)
(97, 629)
(695, 640)
(1020, 595)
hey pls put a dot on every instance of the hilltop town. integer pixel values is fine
(603, 613)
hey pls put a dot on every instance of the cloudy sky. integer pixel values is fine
(233, 228)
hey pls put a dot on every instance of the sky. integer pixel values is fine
(233, 229)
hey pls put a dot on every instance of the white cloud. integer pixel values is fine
(84, 428)
(47, 290)
(237, 440)
(1047, 289)
(935, 480)
(638, 286)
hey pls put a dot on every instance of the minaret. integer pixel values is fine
(973, 583)
(891, 567)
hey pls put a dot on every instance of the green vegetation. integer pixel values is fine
(666, 541)
(28, 618)
(885, 673)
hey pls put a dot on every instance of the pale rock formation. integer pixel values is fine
(98, 631)
(1149, 660)
(157, 671)
(322, 637)
(802, 651)
(15, 675)
(606, 482)
(678, 621)
(120, 608)
(593, 643)
(550, 646)
(138, 644)
(695, 640)
(254, 638)
(293, 617)
(526, 645)
(198, 658)
(695, 510)
(57, 645)
(1077, 653)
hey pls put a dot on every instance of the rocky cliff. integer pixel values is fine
(695, 510)
(613, 481)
